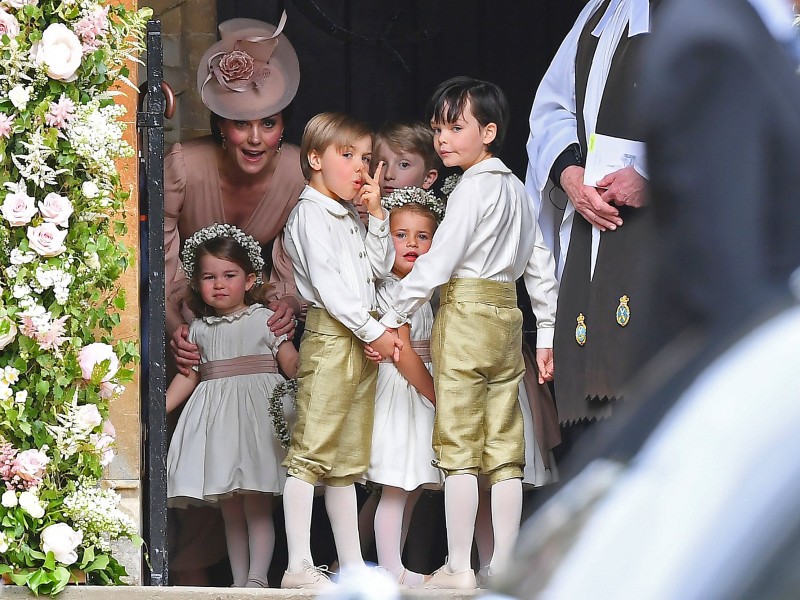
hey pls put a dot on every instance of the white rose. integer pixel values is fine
(31, 505)
(8, 25)
(56, 209)
(47, 239)
(9, 499)
(60, 51)
(92, 355)
(61, 540)
(8, 331)
(18, 208)
(88, 417)
(20, 96)
(92, 261)
(90, 190)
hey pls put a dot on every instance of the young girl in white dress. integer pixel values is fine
(404, 399)
(227, 446)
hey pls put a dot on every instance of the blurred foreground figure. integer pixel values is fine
(696, 491)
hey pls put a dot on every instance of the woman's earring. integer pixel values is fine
(224, 144)
(280, 144)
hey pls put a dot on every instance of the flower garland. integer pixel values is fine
(189, 251)
(450, 183)
(60, 262)
(415, 195)
(284, 388)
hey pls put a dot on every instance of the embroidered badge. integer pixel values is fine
(623, 311)
(580, 330)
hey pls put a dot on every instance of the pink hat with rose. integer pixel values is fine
(251, 73)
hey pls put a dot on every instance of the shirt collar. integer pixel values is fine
(636, 13)
(336, 208)
(487, 165)
(777, 16)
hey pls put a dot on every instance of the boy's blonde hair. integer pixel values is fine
(326, 129)
(413, 137)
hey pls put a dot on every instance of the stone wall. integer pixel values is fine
(189, 27)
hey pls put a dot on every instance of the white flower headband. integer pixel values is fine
(217, 230)
(415, 195)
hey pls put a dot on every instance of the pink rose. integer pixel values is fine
(18, 208)
(30, 465)
(56, 209)
(47, 239)
(93, 355)
(8, 25)
(104, 444)
(236, 65)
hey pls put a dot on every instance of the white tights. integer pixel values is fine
(250, 535)
(391, 527)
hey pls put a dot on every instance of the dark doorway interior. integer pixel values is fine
(380, 60)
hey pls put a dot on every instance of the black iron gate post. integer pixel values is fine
(154, 431)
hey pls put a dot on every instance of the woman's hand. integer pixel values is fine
(186, 354)
(587, 200)
(283, 321)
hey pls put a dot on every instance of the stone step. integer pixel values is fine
(89, 592)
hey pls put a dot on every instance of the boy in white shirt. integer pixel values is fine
(335, 268)
(488, 239)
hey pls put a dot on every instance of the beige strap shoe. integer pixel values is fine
(443, 579)
(309, 578)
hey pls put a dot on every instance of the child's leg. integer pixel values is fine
(366, 522)
(236, 538)
(389, 519)
(411, 502)
(298, 499)
(484, 536)
(340, 502)
(460, 510)
(506, 515)
(261, 535)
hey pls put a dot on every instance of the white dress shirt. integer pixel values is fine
(489, 232)
(335, 266)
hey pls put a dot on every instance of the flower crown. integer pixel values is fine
(217, 230)
(415, 195)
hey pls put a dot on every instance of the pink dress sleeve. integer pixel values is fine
(174, 194)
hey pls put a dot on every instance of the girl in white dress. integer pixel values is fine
(404, 399)
(227, 446)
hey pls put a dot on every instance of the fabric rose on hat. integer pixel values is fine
(61, 540)
(60, 51)
(56, 209)
(18, 208)
(47, 239)
(236, 65)
(91, 356)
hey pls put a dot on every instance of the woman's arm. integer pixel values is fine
(181, 388)
(412, 368)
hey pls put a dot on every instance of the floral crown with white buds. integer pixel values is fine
(415, 195)
(217, 230)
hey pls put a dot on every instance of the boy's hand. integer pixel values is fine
(388, 345)
(371, 193)
(544, 362)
